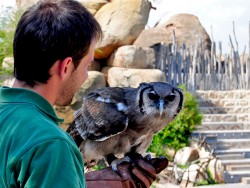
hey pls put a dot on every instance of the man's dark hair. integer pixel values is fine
(51, 30)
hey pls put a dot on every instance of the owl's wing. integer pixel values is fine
(74, 133)
(102, 114)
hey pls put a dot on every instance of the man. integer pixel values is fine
(54, 44)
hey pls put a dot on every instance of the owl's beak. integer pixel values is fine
(161, 106)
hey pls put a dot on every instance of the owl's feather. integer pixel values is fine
(101, 115)
(117, 121)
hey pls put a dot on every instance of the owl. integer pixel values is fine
(115, 122)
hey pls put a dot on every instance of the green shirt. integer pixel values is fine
(34, 150)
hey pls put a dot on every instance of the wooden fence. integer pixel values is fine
(200, 69)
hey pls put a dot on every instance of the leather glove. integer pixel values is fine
(140, 173)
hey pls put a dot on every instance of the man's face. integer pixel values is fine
(76, 79)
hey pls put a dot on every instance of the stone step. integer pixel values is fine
(245, 167)
(226, 117)
(228, 185)
(236, 156)
(225, 110)
(228, 144)
(223, 144)
(209, 126)
(235, 176)
(245, 180)
(236, 162)
(223, 102)
(243, 151)
(235, 94)
(221, 134)
(226, 127)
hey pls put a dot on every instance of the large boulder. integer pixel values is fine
(124, 77)
(186, 155)
(95, 80)
(65, 112)
(187, 28)
(213, 165)
(25, 3)
(95, 66)
(216, 169)
(8, 63)
(193, 174)
(93, 5)
(121, 22)
(6, 80)
(131, 56)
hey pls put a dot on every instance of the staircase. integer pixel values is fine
(226, 126)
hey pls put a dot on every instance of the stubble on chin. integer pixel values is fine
(69, 89)
(66, 94)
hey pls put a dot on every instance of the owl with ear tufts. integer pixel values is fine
(114, 122)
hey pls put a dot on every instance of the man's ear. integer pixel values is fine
(66, 67)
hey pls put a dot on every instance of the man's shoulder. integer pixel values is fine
(46, 129)
(25, 125)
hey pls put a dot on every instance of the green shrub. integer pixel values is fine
(176, 135)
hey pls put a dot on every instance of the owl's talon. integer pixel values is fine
(116, 162)
(148, 157)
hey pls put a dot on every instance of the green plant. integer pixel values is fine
(176, 134)
(98, 167)
(209, 181)
(7, 29)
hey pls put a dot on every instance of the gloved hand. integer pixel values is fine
(139, 173)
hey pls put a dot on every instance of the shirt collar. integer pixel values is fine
(21, 95)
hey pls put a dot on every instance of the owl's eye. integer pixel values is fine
(153, 96)
(170, 98)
